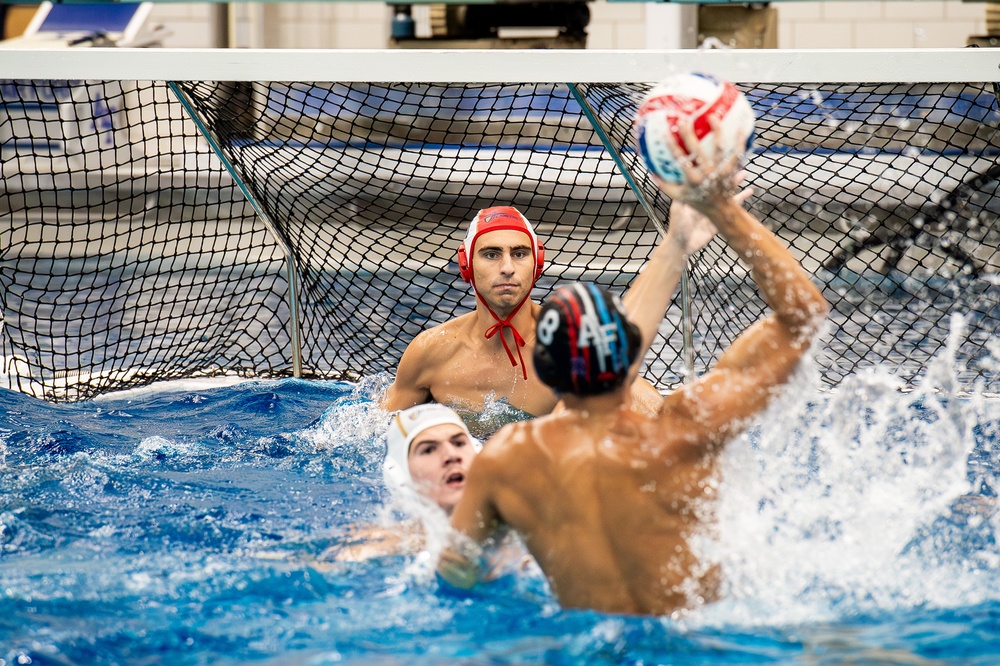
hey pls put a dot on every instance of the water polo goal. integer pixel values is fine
(175, 214)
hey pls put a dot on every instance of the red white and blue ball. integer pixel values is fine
(698, 97)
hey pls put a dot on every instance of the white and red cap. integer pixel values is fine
(497, 218)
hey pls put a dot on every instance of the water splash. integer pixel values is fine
(860, 500)
(203, 546)
(496, 413)
(354, 421)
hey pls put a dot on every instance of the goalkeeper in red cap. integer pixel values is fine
(488, 352)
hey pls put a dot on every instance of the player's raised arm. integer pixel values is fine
(784, 284)
(764, 356)
(650, 294)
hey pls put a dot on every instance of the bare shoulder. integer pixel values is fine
(524, 444)
(707, 411)
(440, 339)
(509, 441)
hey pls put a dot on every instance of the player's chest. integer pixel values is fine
(473, 376)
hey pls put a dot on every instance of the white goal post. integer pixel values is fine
(480, 66)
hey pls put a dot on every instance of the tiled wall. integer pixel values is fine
(190, 24)
(613, 25)
(891, 24)
(616, 25)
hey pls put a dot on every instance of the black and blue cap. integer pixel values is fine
(585, 343)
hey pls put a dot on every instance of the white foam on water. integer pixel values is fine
(156, 446)
(356, 420)
(178, 385)
(856, 500)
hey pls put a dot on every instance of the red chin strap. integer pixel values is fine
(505, 323)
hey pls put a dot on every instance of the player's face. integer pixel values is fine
(503, 266)
(439, 461)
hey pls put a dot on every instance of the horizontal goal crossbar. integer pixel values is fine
(481, 66)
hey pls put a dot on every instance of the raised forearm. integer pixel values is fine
(647, 300)
(784, 284)
(650, 294)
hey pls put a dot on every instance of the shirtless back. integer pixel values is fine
(606, 513)
(607, 499)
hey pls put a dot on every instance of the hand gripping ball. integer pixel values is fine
(699, 97)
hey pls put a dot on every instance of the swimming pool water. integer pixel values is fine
(188, 526)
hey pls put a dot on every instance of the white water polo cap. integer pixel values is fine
(404, 428)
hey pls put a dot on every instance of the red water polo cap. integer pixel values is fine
(497, 218)
(500, 218)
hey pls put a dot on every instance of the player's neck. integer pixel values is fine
(597, 405)
(523, 321)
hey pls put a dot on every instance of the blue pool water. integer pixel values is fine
(188, 525)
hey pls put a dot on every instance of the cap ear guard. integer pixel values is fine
(395, 478)
(464, 269)
(539, 259)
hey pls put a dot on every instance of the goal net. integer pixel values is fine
(213, 218)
